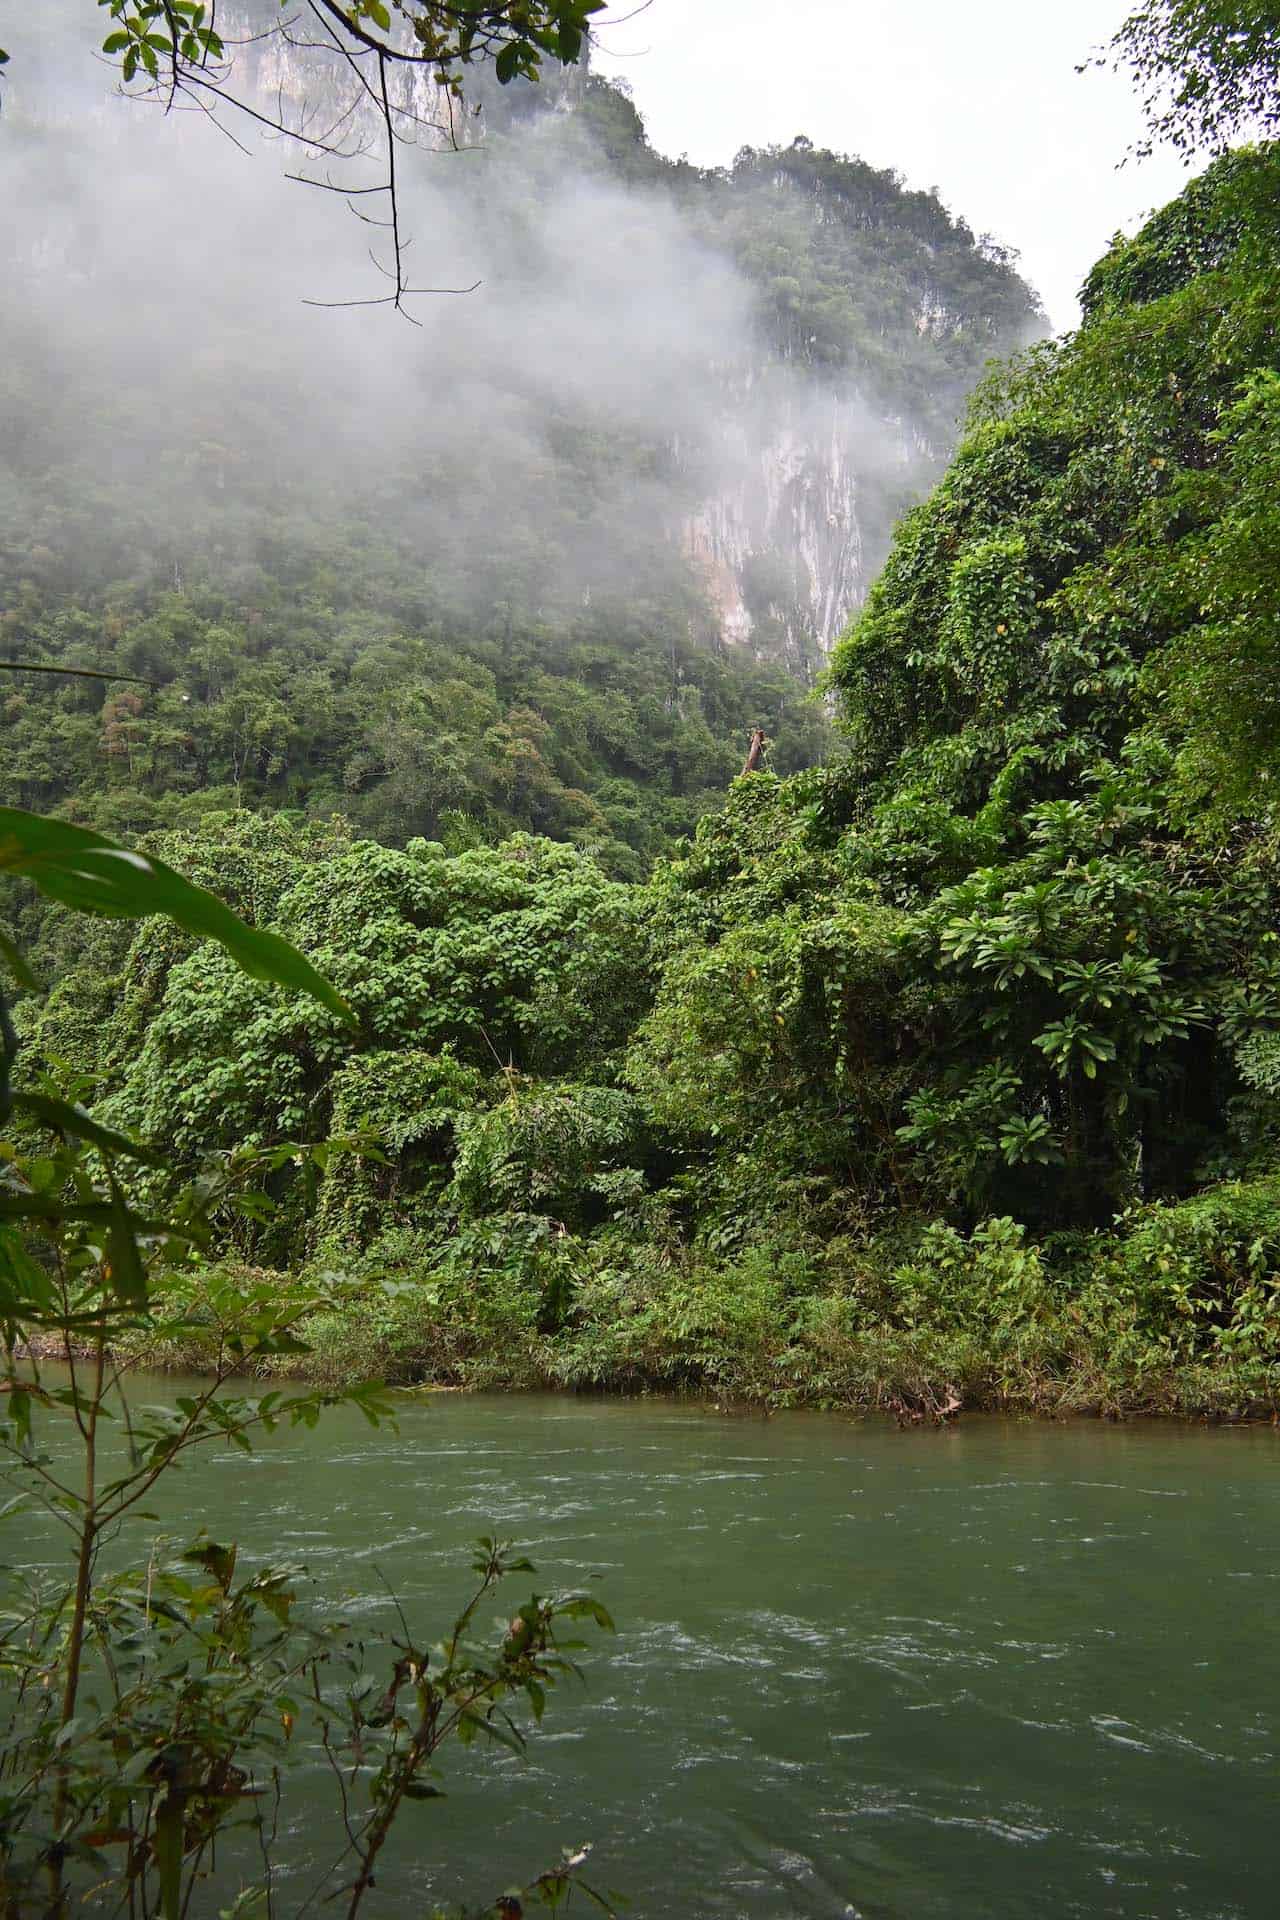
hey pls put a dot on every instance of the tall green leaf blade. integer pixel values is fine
(168, 1844)
(94, 1213)
(17, 964)
(74, 673)
(24, 1284)
(125, 1268)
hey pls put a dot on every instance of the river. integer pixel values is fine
(998, 1670)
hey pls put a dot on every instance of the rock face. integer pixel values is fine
(312, 93)
(781, 548)
(797, 524)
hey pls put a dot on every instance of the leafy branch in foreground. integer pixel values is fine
(149, 1710)
(1207, 71)
(152, 1708)
(87, 872)
(458, 1692)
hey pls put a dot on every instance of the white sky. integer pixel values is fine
(981, 101)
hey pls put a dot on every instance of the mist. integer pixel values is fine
(601, 413)
(154, 309)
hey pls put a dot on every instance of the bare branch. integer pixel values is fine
(435, 36)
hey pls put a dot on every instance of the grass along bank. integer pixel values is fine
(1173, 1316)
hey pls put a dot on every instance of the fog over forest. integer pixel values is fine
(619, 401)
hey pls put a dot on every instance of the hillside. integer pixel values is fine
(946, 1070)
(541, 564)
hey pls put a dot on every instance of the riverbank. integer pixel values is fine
(751, 1347)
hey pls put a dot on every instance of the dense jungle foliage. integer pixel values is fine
(945, 1071)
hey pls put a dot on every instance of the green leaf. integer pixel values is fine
(125, 1270)
(94, 875)
(275, 1340)
(61, 1117)
(375, 11)
(24, 1284)
(219, 1561)
(276, 1598)
(582, 1606)
(493, 1730)
(508, 61)
(17, 964)
(99, 1213)
(47, 1206)
(19, 1411)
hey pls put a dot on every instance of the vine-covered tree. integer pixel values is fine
(1208, 71)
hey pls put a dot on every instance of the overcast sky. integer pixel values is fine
(981, 101)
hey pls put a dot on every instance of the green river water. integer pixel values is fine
(999, 1670)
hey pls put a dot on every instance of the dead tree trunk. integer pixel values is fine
(756, 751)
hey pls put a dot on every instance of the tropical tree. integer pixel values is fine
(1208, 71)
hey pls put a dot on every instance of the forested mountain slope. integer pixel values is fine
(948, 1068)
(484, 575)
